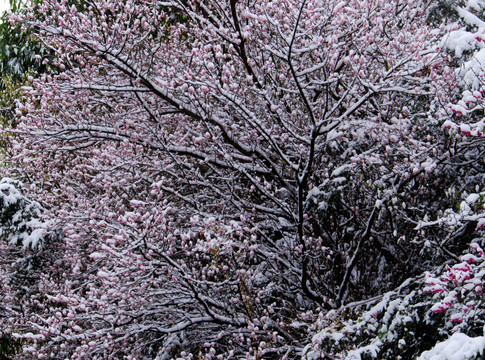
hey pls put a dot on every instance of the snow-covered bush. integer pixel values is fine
(20, 222)
(438, 315)
(27, 250)
(425, 317)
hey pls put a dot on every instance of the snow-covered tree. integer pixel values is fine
(225, 171)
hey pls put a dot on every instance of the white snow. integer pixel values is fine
(104, 275)
(457, 347)
(469, 18)
(474, 4)
(4, 5)
(372, 349)
(97, 255)
(313, 193)
(339, 180)
(472, 198)
(33, 240)
(462, 41)
(340, 170)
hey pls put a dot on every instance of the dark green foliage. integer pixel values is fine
(20, 52)
(444, 10)
(9, 346)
